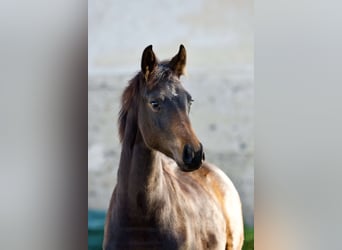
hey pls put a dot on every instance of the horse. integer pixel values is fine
(167, 196)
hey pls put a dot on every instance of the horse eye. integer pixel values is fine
(155, 105)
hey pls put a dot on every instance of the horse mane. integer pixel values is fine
(128, 97)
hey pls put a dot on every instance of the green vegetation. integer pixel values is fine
(249, 239)
(96, 221)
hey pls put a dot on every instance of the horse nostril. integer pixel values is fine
(191, 158)
(188, 154)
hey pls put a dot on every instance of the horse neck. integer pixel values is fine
(140, 170)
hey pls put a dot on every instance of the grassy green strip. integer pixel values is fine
(249, 239)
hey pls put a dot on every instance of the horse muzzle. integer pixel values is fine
(192, 160)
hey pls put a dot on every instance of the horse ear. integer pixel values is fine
(148, 61)
(177, 63)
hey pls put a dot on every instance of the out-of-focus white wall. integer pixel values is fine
(217, 34)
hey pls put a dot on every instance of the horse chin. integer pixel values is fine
(186, 168)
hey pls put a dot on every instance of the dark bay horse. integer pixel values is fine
(167, 197)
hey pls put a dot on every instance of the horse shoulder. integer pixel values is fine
(229, 199)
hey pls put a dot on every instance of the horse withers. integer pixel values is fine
(167, 197)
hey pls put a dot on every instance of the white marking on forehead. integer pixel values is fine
(162, 94)
(173, 90)
(168, 92)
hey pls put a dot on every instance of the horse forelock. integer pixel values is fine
(162, 73)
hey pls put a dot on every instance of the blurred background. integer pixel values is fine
(44, 55)
(218, 36)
